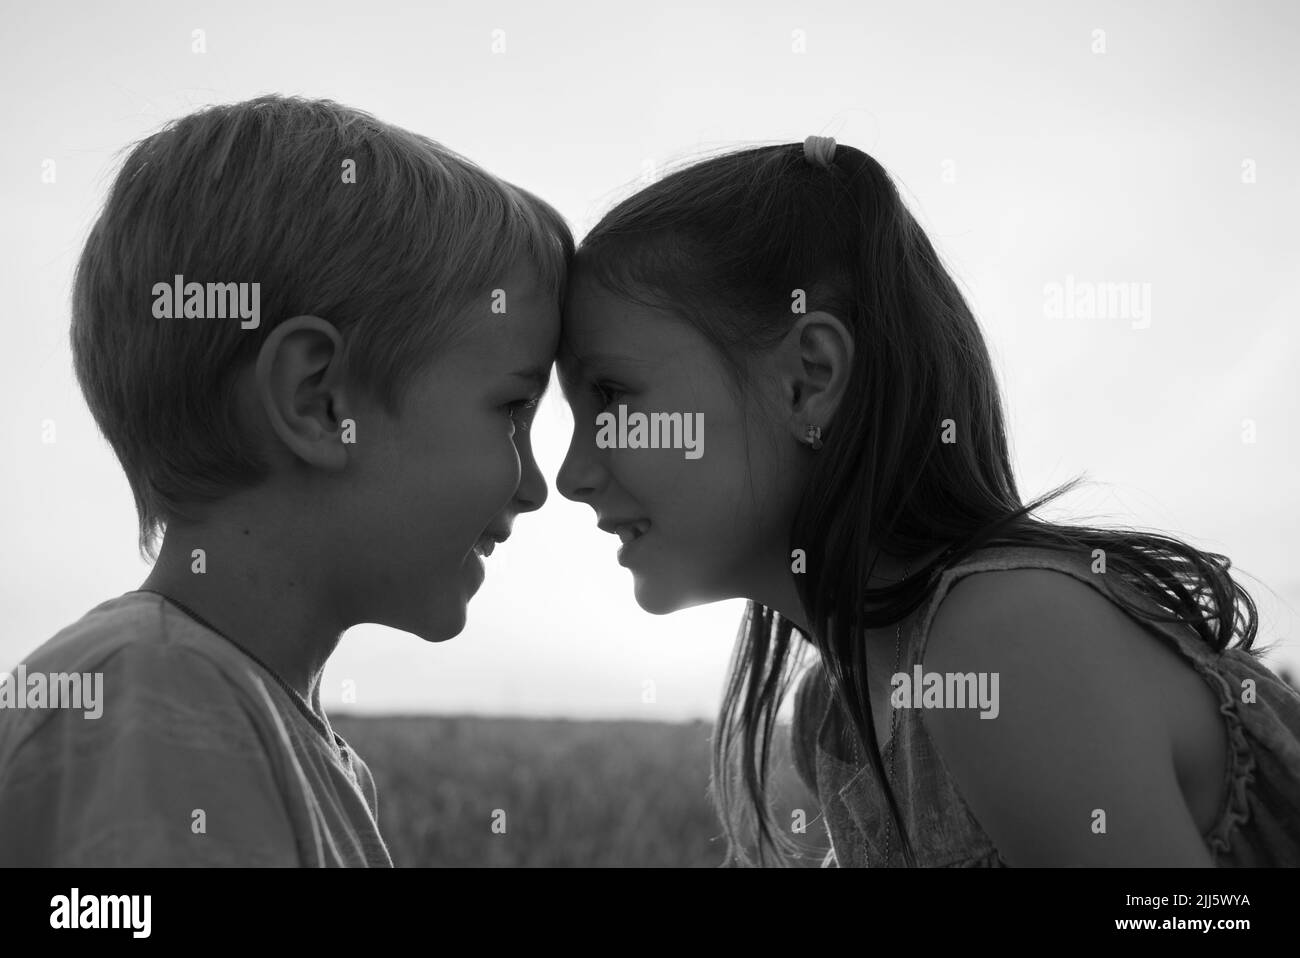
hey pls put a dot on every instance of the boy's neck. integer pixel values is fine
(253, 592)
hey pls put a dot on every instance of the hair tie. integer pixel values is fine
(819, 150)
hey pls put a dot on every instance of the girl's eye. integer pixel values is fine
(606, 392)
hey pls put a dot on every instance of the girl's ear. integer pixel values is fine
(815, 360)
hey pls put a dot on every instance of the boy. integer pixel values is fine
(309, 337)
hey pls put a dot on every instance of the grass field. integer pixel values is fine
(573, 793)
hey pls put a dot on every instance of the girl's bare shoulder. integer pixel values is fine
(1081, 726)
(1049, 627)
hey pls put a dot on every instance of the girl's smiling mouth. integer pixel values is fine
(629, 532)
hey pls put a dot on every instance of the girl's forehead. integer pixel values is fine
(594, 314)
(615, 339)
(604, 327)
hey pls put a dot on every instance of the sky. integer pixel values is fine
(1049, 150)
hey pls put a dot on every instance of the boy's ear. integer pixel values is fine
(816, 360)
(297, 379)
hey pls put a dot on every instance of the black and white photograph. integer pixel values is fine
(654, 436)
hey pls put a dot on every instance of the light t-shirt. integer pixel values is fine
(198, 756)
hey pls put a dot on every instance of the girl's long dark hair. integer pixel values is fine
(726, 243)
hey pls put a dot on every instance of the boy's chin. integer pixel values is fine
(441, 629)
(444, 620)
(445, 614)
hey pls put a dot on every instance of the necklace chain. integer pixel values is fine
(294, 696)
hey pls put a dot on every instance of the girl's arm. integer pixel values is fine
(1077, 768)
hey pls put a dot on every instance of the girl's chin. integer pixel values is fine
(655, 607)
(658, 598)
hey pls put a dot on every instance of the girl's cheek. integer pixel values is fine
(657, 479)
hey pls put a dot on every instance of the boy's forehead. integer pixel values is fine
(523, 331)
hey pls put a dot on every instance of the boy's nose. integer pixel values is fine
(532, 499)
(532, 492)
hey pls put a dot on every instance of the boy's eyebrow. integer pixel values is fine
(539, 376)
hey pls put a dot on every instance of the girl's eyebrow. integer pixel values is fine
(586, 360)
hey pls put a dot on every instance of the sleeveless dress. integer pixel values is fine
(1259, 819)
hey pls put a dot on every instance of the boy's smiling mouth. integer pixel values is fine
(488, 542)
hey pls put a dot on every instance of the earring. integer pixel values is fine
(813, 436)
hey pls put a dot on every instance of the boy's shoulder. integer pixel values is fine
(135, 630)
(134, 653)
(138, 736)
(121, 734)
(131, 618)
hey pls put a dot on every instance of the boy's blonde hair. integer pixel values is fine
(257, 192)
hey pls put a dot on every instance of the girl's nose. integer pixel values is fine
(581, 473)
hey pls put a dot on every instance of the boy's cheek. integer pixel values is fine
(490, 479)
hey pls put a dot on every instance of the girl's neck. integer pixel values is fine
(777, 590)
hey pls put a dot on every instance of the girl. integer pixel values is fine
(990, 688)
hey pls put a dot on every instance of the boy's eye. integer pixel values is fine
(518, 408)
